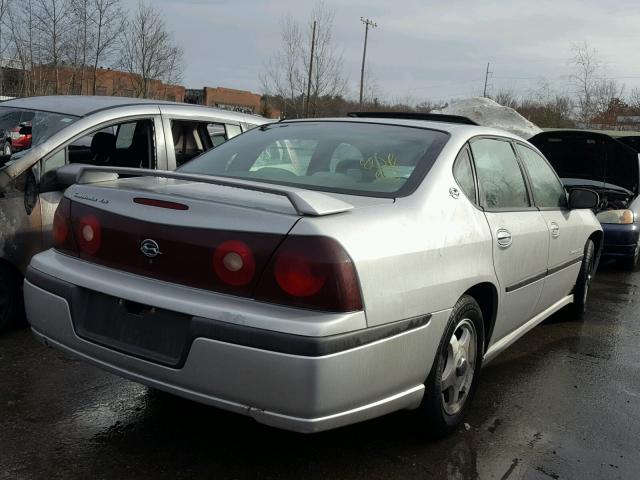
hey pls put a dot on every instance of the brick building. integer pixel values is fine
(71, 81)
(227, 98)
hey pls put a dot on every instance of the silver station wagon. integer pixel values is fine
(312, 274)
(103, 131)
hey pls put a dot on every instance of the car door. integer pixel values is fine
(565, 227)
(520, 234)
(136, 142)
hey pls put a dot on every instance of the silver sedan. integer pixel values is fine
(313, 274)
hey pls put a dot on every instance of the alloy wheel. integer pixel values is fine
(459, 368)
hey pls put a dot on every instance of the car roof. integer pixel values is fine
(451, 128)
(83, 105)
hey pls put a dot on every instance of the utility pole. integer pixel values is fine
(367, 24)
(486, 80)
(313, 48)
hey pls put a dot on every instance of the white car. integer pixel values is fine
(377, 274)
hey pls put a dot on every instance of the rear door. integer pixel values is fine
(565, 227)
(519, 231)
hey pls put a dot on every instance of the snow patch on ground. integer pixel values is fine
(488, 113)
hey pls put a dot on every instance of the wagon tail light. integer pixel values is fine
(62, 230)
(76, 235)
(311, 272)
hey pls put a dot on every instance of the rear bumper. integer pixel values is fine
(620, 240)
(299, 383)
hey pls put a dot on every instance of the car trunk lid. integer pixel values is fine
(171, 232)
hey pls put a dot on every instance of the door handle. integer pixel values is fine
(555, 229)
(504, 238)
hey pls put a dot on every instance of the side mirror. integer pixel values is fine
(583, 198)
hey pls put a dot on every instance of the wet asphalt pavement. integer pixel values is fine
(563, 402)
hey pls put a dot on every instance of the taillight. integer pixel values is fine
(234, 263)
(298, 275)
(62, 237)
(311, 272)
(89, 234)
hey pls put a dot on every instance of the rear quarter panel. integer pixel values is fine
(417, 255)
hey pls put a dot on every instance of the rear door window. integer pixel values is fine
(463, 173)
(548, 192)
(129, 144)
(501, 182)
(192, 138)
(233, 131)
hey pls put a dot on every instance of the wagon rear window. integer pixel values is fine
(342, 157)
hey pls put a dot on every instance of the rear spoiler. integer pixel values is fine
(305, 202)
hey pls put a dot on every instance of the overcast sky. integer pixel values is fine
(422, 49)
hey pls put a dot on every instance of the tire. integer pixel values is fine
(6, 149)
(10, 298)
(439, 411)
(581, 290)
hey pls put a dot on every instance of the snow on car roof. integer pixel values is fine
(488, 113)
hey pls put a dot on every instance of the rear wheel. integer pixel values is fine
(455, 372)
(10, 298)
(581, 290)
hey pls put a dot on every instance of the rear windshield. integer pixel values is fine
(342, 157)
(37, 126)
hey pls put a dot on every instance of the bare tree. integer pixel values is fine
(507, 98)
(53, 22)
(149, 51)
(76, 44)
(634, 100)
(4, 7)
(586, 67)
(286, 72)
(107, 20)
(24, 40)
(594, 91)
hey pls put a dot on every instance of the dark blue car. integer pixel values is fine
(609, 165)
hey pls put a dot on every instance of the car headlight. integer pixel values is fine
(15, 135)
(620, 217)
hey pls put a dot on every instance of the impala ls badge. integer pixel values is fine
(150, 248)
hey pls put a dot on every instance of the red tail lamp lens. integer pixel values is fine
(61, 224)
(61, 232)
(89, 234)
(234, 263)
(299, 276)
(311, 272)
